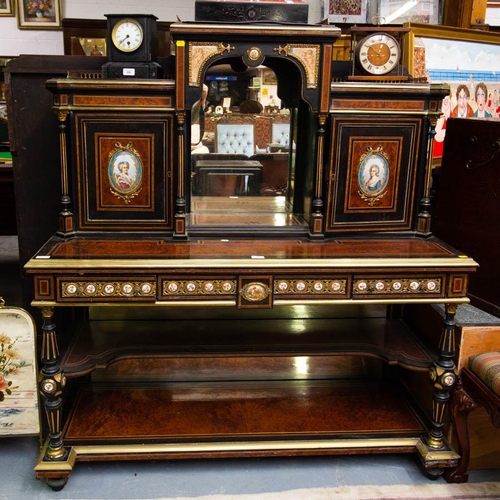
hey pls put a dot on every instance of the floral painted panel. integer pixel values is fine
(18, 392)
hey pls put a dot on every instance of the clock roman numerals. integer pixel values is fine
(378, 54)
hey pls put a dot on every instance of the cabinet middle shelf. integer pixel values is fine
(98, 344)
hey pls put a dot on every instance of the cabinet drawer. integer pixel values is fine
(197, 288)
(71, 289)
(404, 286)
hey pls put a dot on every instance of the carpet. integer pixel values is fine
(431, 491)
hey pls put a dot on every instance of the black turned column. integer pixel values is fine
(444, 377)
(180, 200)
(66, 216)
(51, 384)
(317, 218)
(424, 216)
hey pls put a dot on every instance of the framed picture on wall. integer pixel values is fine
(345, 11)
(417, 11)
(465, 59)
(38, 14)
(6, 8)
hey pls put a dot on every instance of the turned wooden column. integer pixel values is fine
(424, 216)
(316, 225)
(51, 384)
(444, 377)
(180, 231)
(65, 216)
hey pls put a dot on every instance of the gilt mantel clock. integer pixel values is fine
(132, 46)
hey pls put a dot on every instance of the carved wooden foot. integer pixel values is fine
(460, 406)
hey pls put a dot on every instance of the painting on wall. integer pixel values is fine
(468, 62)
(39, 14)
(6, 8)
(345, 11)
(469, 69)
(416, 11)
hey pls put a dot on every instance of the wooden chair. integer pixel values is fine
(479, 384)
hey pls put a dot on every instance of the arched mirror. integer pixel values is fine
(243, 148)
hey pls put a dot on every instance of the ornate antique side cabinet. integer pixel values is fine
(236, 287)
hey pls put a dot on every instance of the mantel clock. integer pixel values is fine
(132, 46)
(377, 53)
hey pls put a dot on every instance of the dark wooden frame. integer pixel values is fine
(347, 211)
(150, 206)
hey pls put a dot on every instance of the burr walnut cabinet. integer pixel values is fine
(233, 322)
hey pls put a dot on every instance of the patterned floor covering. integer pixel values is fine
(472, 491)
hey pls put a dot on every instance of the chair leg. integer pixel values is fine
(461, 404)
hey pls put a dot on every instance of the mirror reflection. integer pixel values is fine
(242, 151)
(88, 46)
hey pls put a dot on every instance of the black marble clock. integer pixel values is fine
(131, 43)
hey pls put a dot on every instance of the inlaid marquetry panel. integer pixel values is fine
(314, 287)
(106, 289)
(44, 287)
(180, 288)
(124, 169)
(372, 174)
(398, 286)
(122, 101)
(248, 290)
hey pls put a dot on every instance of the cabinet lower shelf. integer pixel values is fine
(261, 408)
(239, 411)
(241, 419)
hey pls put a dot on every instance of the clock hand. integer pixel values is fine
(121, 41)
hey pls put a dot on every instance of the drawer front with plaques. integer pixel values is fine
(400, 286)
(245, 289)
(95, 289)
(197, 288)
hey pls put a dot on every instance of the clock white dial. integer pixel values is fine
(378, 54)
(127, 35)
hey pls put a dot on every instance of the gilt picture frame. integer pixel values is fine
(6, 8)
(39, 14)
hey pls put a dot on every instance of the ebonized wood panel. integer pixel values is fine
(467, 214)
